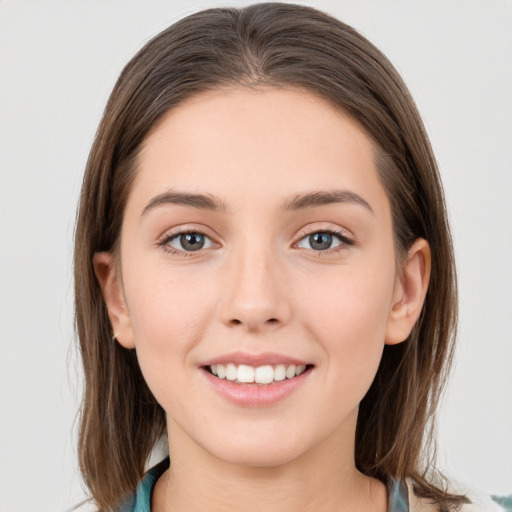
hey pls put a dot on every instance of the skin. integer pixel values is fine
(259, 285)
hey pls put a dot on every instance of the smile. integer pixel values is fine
(264, 375)
(256, 380)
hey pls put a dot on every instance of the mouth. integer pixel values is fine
(264, 375)
(256, 380)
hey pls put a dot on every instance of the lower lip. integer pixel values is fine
(256, 395)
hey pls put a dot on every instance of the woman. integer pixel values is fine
(264, 273)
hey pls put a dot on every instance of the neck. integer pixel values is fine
(324, 478)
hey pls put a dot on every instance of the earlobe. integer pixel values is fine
(107, 275)
(410, 292)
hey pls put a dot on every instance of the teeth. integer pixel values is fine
(221, 371)
(290, 371)
(280, 372)
(245, 373)
(261, 375)
(231, 373)
(264, 374)
(299, 369)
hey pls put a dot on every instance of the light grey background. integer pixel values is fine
(58, 63)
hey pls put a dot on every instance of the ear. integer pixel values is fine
(409, 294)
(110, 282)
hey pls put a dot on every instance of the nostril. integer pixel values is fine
(253, 324)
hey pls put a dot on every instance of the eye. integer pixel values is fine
(324, 240)
(186, 241)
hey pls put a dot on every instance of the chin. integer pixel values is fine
(266, 452)
(258, 457)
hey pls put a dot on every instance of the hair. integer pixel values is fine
(282, 46)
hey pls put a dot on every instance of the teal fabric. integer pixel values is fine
(398, 497)
(504, 501)
(141, 500)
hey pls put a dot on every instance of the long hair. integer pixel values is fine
(276, 45)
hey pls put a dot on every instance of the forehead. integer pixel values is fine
(248, 145)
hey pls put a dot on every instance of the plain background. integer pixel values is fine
(58, 63)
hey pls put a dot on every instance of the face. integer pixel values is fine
(257, 244)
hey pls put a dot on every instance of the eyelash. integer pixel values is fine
(343, 238)
(345, 241)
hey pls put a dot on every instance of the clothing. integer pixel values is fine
(141, 500)
(401, 496)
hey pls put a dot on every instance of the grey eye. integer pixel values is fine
(190, 241)
(322, 241)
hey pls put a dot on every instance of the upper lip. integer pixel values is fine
(257, 359)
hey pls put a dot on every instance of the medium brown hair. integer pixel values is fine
(283, 46)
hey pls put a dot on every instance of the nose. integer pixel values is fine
(254, 297)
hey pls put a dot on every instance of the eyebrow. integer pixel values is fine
(324, 197)
(298, 202)
(199, 201)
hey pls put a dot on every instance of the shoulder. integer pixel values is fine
(479, 502)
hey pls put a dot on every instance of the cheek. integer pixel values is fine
(168, 321)
(167, 305)
(169, 314)
(349, 318)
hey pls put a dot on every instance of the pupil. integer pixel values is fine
(192, 241)
(320, 241)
